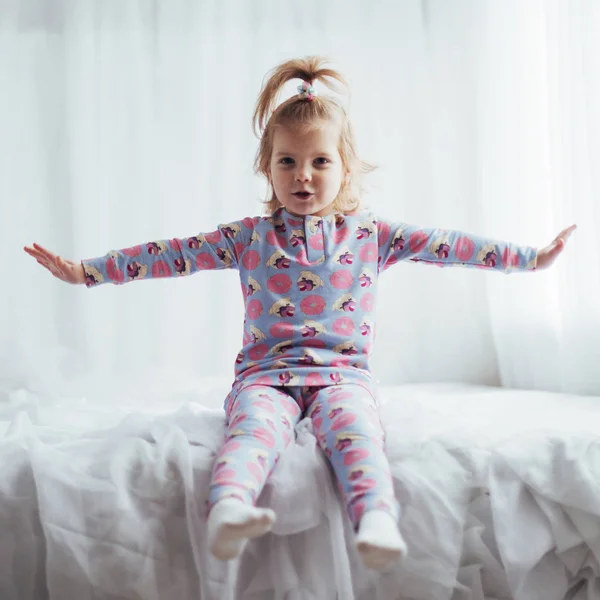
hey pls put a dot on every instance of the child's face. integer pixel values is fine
(306, 162)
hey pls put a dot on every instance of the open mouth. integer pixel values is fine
(303, 195)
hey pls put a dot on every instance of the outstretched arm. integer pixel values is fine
(400, 241)
(219, 249)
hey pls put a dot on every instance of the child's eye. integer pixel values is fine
(286, 160)
(322, 160)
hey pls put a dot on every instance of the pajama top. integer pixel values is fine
(309, 284)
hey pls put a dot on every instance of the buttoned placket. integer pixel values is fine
(313, 228)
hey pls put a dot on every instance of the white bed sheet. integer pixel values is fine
(102, 497)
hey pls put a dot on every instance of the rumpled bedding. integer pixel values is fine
(104, 498)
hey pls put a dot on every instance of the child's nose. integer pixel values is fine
(303, 174)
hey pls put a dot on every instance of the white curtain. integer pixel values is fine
(122, 122)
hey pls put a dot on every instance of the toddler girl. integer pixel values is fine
(309, 273)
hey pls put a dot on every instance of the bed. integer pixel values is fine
(104, 499)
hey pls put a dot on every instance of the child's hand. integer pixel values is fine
(547, 256)
(65, 270)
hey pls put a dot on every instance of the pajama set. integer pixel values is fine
(310, 286)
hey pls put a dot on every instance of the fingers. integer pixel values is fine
(565, 233)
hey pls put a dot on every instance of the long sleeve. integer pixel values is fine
(400, 241)
(219, 249)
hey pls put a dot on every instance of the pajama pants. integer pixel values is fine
(261, 421)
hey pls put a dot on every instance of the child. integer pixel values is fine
(309, 274)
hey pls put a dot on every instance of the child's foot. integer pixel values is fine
(231, 523)
(378, 540)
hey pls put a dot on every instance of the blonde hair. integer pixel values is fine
(306, 115)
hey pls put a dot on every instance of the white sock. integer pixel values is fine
(231, 523)
(378, 540)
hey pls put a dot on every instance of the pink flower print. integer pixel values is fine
(258, 352)
(365, 280)
(229, 447)
(276, 240)
(355, 455)
(255, 309)
(341, 235)
(280, 227)
(343, 421)
(367, 302)
(338, 396)
(417, 241)
(204, 261)
(238, 420)
(464, 248)
(136, 250)
(238, 248)
(248, 222)
(213, 237)
(340, 362)
(224, 476)
(289, 405)
(383, 233)
(392, 260)
(264, 405)
(314, 379)
(346, 258)
(265, 436)
(314, 343)
(343, 326)
(443, 250)
(490, 259)
(114, 274)
(295, 222)
(313, 305)
(280, 283)
(368, 252)
(365, 329)
(251, 260)
(256, 471)
(192, 242)
(339, 220)
(176, 244)
(228, 232)
(282, 330)
(161, 269)
(316, 242)
(357, 511)
(364, 485)
(341, 279)
(307, 360)
(317, 422)
(263, 379)
(240, 358)
(367, 348)
(335, 378)
(510, 259)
